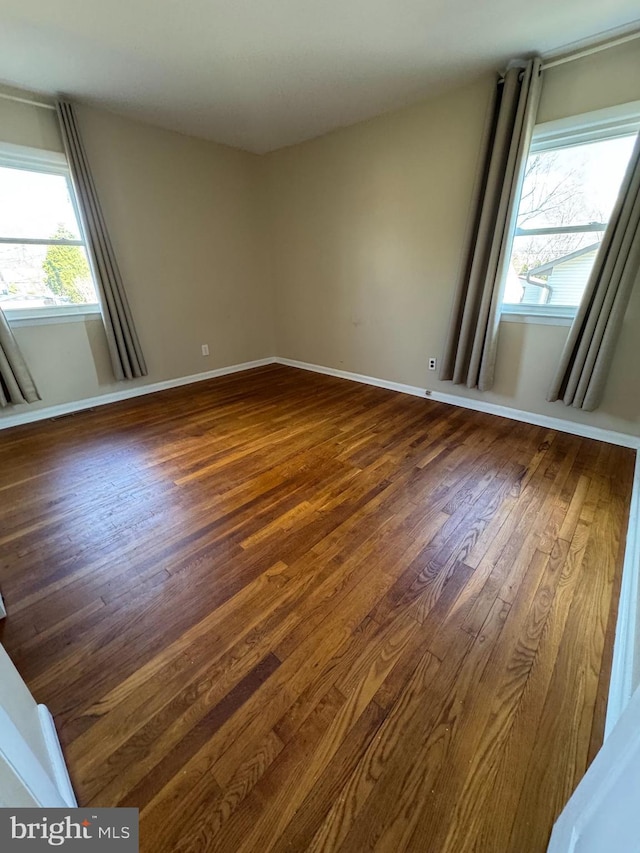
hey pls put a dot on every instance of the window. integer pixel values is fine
(572, 178)
(44, 268)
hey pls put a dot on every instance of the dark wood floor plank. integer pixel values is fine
(567, 717)
(353, 797)
(504, 778)
(407, 757)
(310, 814)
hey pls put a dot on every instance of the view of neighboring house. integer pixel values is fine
(561, 281)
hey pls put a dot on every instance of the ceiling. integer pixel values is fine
(261, 74)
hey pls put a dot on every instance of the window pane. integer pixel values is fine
(576, 185)
(551, 270)
(566, 187)
(39, 276)
(36, 205)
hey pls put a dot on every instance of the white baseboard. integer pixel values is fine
(584, 430)
(56, 758)
(354, 377)
(29, 416)
(560, 424)
(625, 671)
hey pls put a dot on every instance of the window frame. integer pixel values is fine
(609, 123)
(50, 163)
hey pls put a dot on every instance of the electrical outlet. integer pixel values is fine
(205, 349)
(432, 363)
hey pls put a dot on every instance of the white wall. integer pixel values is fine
(29, 773)
(368, 226)
(185, 219)
(21, 708)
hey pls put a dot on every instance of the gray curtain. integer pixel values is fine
(470, 350)
(16, 383)
(584, 365)
(124, 346)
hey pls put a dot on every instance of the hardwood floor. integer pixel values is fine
(278, 611)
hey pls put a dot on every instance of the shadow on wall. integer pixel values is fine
(622, 397)
(98, 345)
(509, 363)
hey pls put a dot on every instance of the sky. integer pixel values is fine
(604, 166)
(598, 169)
(34, 204)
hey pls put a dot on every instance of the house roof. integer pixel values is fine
(585, 250)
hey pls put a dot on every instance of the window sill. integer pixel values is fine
(539, 318)
(51, 316)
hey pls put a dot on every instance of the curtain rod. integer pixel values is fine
(19, 100)
(587, 51)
